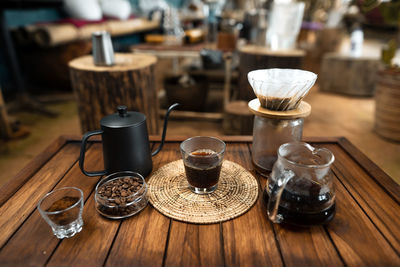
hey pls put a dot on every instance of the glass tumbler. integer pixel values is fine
(268, 135)
(62, 210)
(202, 158)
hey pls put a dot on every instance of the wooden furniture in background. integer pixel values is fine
(259, 57)
(12, 63)
(348, 75)
(328, 40)
(364, 232)
(42, 59)
(5, 127)
(387, 107)
(54, 34)
(237, 118)
(177, 53)
(100, 89)
(9, 129)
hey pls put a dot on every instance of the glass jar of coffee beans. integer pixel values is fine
(121, 194)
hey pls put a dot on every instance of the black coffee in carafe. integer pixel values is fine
(312, 206)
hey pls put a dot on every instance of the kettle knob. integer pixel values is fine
(122, 110)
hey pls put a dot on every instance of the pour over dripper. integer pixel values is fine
(281, 89)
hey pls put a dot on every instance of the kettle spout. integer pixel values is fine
(164, 129)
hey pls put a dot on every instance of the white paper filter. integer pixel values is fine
(281, 89)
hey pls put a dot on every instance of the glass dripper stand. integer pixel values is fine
(279, 112)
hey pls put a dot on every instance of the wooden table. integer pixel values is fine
(349, 75)
(364, 232)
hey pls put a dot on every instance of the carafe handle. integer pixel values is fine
(275, 195)
(82, 155)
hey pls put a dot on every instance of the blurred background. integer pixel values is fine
(203, 51)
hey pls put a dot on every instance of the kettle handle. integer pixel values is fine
(82, 155)
(164, 129)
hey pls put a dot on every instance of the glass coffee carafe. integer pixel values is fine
(300, 188)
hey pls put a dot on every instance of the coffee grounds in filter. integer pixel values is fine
(274, 103)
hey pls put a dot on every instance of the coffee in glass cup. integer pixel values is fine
(202, 158)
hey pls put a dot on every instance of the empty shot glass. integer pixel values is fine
(62, 210)
(202, 157)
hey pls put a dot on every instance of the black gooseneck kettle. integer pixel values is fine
(126, 145)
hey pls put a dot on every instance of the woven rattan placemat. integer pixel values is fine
(169, 193)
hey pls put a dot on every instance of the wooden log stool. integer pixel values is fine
(355, 76)
(5, 127)
(100, 89)
(387, 107)
(8, 129)
(259, 57)
(237, 119)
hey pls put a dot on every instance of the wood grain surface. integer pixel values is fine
(142, 239)
(243, 242)
(25, 173)
(387, 105)
(364, 231)
(191, 244)
(41, 240)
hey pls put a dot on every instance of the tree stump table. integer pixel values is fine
(355, 76)
(387, 106)
(100, 89)
(238, 120)
(259, 57)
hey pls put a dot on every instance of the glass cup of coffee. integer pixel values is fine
(62, 210)
(202, 158)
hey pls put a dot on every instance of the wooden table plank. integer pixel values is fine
(373, 170)
(142, 238)
(91, 246)
(382, 208)
(24, 201)
(12, 185)
(194, 245)
(308, 246)
(357, 239)
(42, 242)
(140, 241)
(191, 244)
(305, 246)
(249, 240)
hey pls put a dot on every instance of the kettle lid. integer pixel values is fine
(123, 118)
